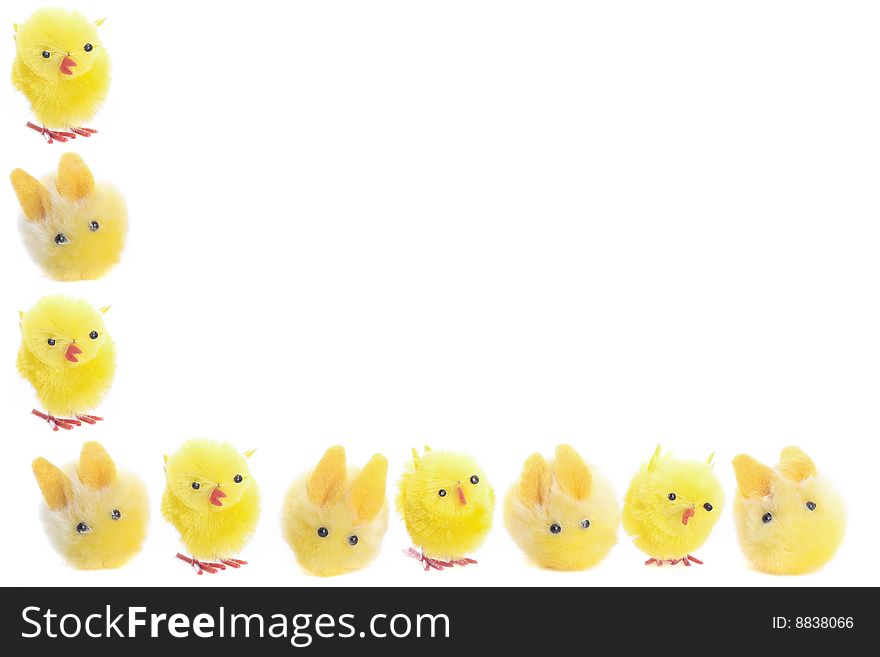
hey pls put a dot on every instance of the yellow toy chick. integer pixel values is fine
(563, 514)
(671, 507)
(68, 357)
(73, 228)
(213, 501)
(447, 505)
(335, 517)
(63, 70)
(95, 517)
(789, 520)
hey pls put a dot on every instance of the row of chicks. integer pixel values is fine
(562, 513)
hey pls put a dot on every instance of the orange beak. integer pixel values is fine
(66, 65)
(72, 352)
(688, 514)
(216, 496)
(461, 497)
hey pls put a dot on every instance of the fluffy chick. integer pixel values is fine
(789, 520)
(61, 67)
(671, 507)
(212, 500)
(447, 505)
(73, 228)
(94, 516)
(563, 513)
(68, 357)
(335, 516)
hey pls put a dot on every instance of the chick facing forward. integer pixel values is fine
(671, 507)
(73, 227)
(447, 505)
(335, 516)
(213, 501)
(95, 517)
(563, 513)
(789, 520)
(68, 357)
(62, 69)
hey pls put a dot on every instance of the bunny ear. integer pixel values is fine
(655, 460)
(572, 474)
(534, 482)
(96, 469)
(75, 181)
(795, 465)
(327, 481)
(54, 484)
(754, 478)
(368, 489)
(33, 197)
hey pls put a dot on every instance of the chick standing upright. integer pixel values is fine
(671, 507)
(447, 505)
(68, 357)
(212, 500)
(63, 70)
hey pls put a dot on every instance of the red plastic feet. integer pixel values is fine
(436, 564)
(67, 423)
(687, 561)
(61, 135)
(210, 567)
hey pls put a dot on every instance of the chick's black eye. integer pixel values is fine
(46, 54)
(323, 532)
(352, 540)
(51, 342)
(671, 497)
(94, 226)
(475, 479)
(708, 506)
(82, 528)
(442, 492)
(767, 517)
(555, 529)
(61, 239)
(93, 335)
(115, 514)
(196, 485)
(88, 47)
(811, 506)
(585, 524)
(238, 479)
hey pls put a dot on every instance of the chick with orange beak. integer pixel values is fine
(68, 357)
(447, 505)
(213, 501)
(63, 69)
(671, 507)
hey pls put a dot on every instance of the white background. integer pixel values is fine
(491, 226)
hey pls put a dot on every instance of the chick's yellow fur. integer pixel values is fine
(73, 227)
(453, 524)
(655, 522)
(61, 100)
(789, 520)
(210, 531)
(574, 499)
(94, 516)
(335, 516)
(66, 388)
